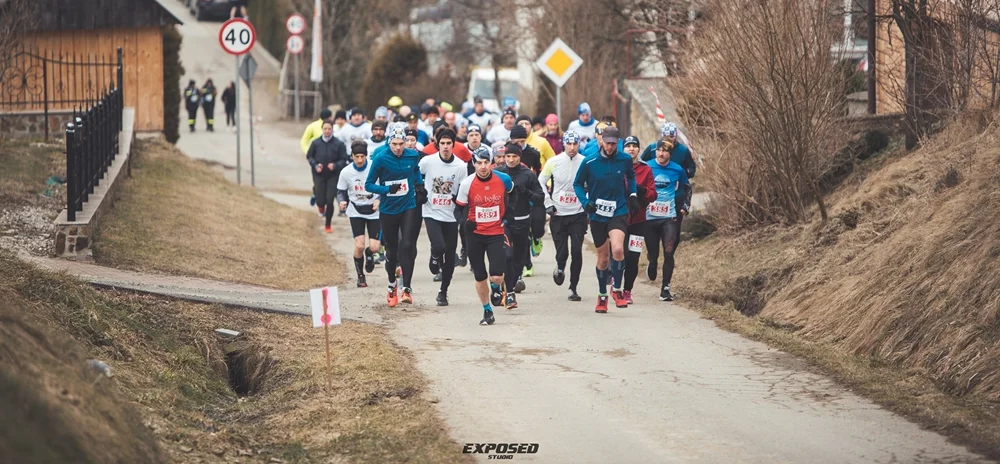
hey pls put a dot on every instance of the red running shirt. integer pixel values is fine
(486, 201)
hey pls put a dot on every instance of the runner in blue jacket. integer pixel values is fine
(395, 176)
(605, 187)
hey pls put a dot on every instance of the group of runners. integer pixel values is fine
(483, 186)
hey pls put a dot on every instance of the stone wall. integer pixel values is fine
(32, 124)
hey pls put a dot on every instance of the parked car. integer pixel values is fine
(205, 10)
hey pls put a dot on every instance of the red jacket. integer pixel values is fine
(643, 177)
(458, 149)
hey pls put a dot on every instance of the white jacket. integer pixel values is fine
(562, 170)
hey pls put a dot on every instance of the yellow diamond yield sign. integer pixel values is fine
(559, 62)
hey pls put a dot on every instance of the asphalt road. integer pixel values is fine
(650, 383)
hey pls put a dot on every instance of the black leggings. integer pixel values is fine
(520, 239)
(444, 241)
(230, 116)
(663, 232)
(568, 233)
(325, 189)
(632, 257)
(399, 235)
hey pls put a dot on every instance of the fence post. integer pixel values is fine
(121, 91)
(45, 94)
(72, 179)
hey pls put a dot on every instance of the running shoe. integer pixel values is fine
(602, 304)
(312, 200)
(435, 265)
(322, 210)
(442, 299)
(362, 283)
(651, 271)
(407, 296)
(488, 318)
(511, 302)
(619, 298)
(496, 295)
(391, 297)
(536, 247)
(328, 229)
(462, 259)
(342, 214)
(519, 286)
(529, 271)
(573, 296)
(369, 262)
(438, 277)
(665, 294)
(558, 276)
(628, 296)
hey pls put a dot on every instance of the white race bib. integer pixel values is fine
(487, 214)
(566, 198)
(661, 209)
(194, 97)
(441, 200)
(404, 187)
(606, 208)
(635, 243)
(208, 98)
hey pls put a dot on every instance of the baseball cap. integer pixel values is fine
(475, 128)
(631, 140)
(584, 108)
(412, 117)
(610, 135)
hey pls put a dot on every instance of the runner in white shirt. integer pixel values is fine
(356, 129)
(568, 222)
(585, 125)
(501, 132)
(362, 210)
(480, 116)
(442, 175)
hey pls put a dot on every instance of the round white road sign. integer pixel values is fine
(295, 24)
(237, 36)
(295, 44)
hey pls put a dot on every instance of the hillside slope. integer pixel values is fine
(905, 274)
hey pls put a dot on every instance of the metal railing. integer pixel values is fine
(92, 141)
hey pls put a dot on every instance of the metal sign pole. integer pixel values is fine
(297, 88)
(239, 170)
(253, 174)
(559, 103)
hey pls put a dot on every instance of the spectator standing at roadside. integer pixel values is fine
(229, 101)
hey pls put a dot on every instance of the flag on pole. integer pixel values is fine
(659, 112)
(316, 73)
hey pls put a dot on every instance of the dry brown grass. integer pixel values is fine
(168, 363)
(26, 164)
(178, 216)
(897, 295)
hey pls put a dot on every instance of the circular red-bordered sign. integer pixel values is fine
(237, 36)
(296, 24)
(295, 44)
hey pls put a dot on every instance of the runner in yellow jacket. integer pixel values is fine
(314, 131)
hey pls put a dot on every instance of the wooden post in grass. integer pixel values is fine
(326, 333)
(326, 312)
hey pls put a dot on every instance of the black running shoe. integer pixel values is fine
(496, 296)
(362, 283)
(559, 276)
(573, 296)
(665, 294)
(462, 259)
(519, 286)
(369, 262)
(511, 302)
(488, 318)
(435, 265)
(651, 271)
(442, 299)
(438, 277)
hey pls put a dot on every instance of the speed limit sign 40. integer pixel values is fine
(295, 24)
(237, 36)
(295, 44)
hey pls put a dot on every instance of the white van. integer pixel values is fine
(481, 85)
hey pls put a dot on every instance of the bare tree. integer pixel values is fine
(767, 66)
(16, 19)
(487, 28)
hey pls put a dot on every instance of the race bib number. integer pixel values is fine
(567, 199)
(661, 209)
(606, 208)
(487, 214)
(635, 243)
(404, 187)
(194, 98)
(441, 200)
(208, 98)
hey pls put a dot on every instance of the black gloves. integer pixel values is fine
(591, 207)
(633, 204)
(640, 190)
(393, 188)
(421, 194)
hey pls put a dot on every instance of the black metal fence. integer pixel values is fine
(32, 80)
(92, 141)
